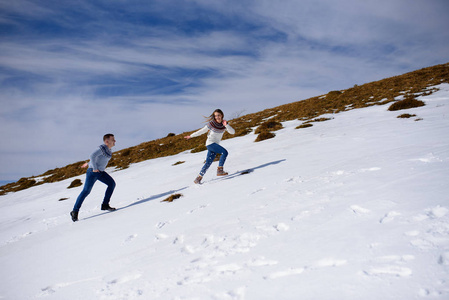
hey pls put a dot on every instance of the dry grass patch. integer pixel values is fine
(321, 119)
(305, 125)
(269, 126)
(406, 104)
(265, 135)
(172, 197)
(75, 183)
(406, 116)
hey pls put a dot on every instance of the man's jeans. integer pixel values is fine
(213, 149)
(91, 177)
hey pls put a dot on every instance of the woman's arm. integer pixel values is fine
(198, 133)
(228, 127)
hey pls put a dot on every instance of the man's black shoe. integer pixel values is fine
(107, 207)
(74, 215)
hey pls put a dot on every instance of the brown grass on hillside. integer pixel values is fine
(269, 126)
(417, 83)
(172, 197)
(265, 135)
(305, 125)
(75, 183)
(265, 130)
(406, 104)
(406, 116)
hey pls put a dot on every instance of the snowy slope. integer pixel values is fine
(353, 208)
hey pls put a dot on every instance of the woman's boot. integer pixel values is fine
(220, 172)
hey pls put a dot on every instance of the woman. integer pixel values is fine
(216, 127)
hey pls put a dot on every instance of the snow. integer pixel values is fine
(352, 208)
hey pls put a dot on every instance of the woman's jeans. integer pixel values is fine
(91, 178)
(213, 150)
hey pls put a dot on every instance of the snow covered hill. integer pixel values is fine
(353, 208)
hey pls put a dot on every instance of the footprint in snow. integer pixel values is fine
(51, 289)
(358, 210)
(160, 236)
(198, 208)
(389, 217)
(391, 265)
(196, 278)
(113, 287)
(323, 263)
(228, 269)
(258, 190)
(261, 262)
(162, 224)
(307, 213)
(429, 158)
(285, 273)
(437, 212)
(238, 293)
(130, 238)
(339, 173)
(444, 259)
(188, 249)
(281, 227)
(296, 179)
(126, 278)
(373, 169)
(398, 259)
(18, 238)
(331, 262)
(435, 233)
(423, 244)
(47, 291)
(412, 233)
(397, 271)
(424, 292)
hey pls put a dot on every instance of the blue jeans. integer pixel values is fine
(212, 151)
(91, 178)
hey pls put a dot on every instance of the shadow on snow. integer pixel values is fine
(154, 197)
(247, 171)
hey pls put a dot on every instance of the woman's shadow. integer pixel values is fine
(248, 171)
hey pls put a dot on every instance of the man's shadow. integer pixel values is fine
(154, 197)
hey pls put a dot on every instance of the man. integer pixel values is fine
(97, 164)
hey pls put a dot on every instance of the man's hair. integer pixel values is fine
(107, 136)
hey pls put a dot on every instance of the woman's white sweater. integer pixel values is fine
(212, 137)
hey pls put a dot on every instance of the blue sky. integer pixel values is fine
(71, 71)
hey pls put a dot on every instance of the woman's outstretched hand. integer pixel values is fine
(187, 137)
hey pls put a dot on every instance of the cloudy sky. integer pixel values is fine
(73, 70)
